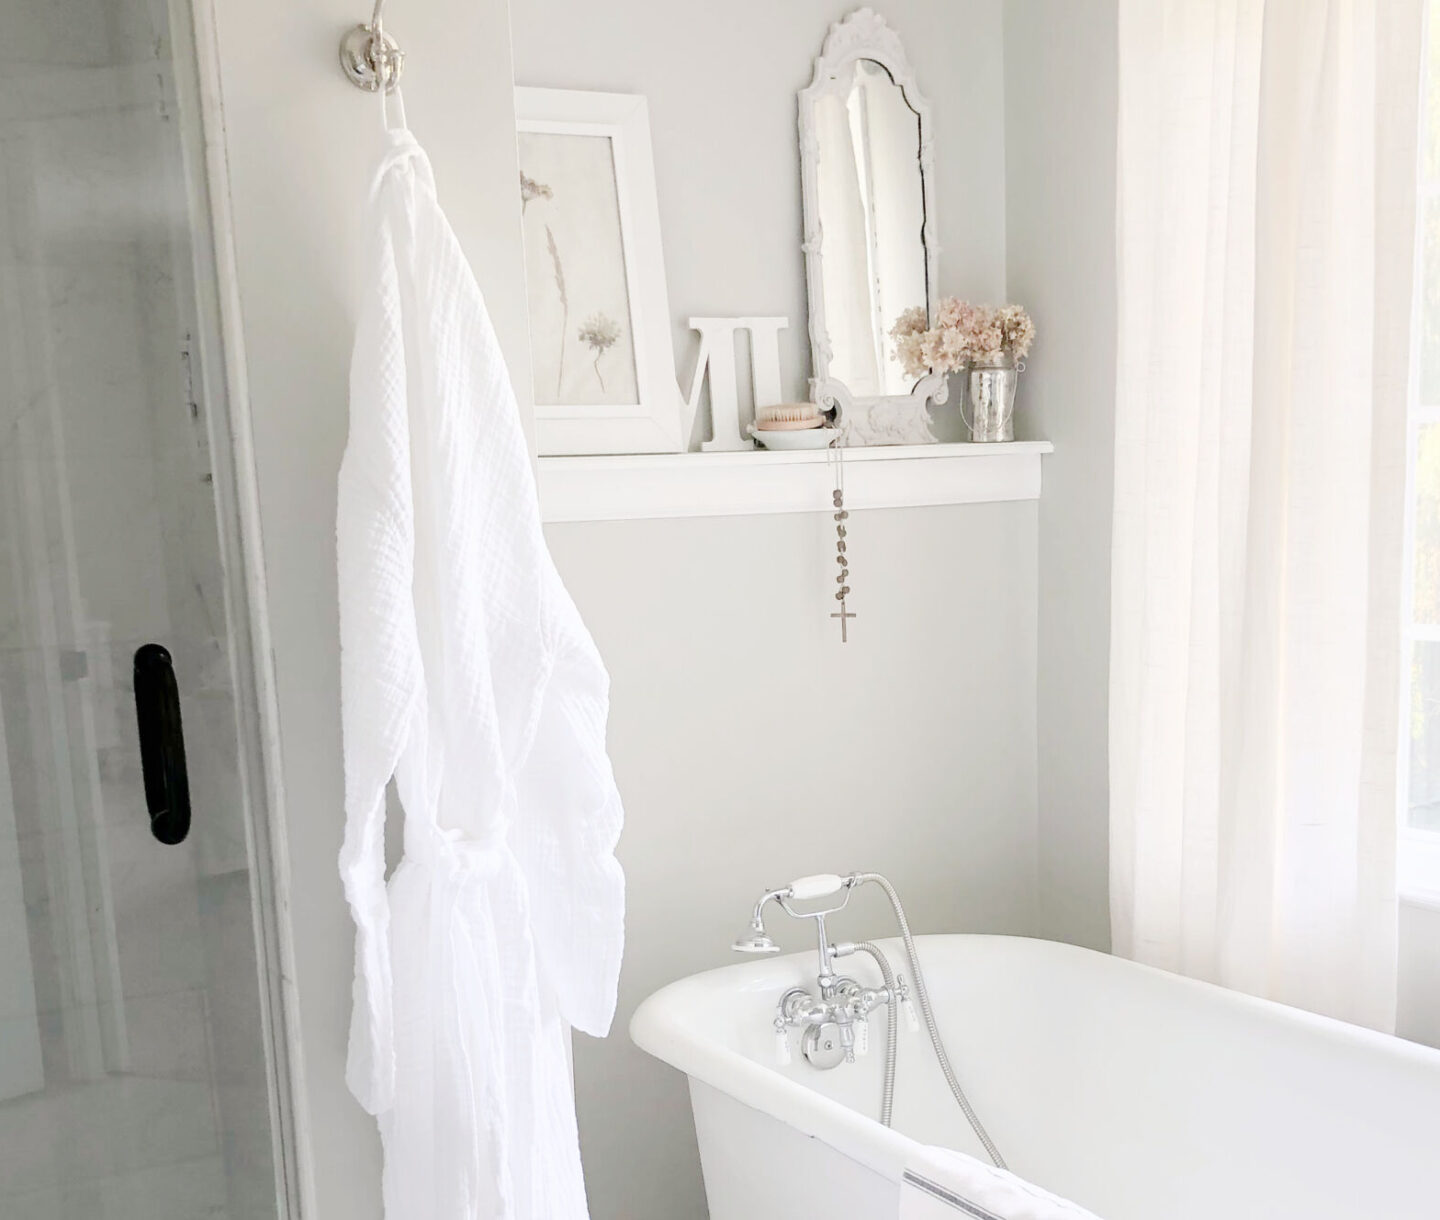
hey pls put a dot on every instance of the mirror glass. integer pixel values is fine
(872, 217)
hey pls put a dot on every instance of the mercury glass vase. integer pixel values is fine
(990, 393)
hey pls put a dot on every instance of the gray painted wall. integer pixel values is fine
(1060, 83)
(1419, 1006)
(721, 82)
(301, 145)
(750, 746)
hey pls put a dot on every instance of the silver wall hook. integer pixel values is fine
(370, 58)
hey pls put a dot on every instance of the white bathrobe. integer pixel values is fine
(468, 676)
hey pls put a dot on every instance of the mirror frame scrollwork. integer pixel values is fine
(902, 419)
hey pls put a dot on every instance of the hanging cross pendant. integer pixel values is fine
(843, 614)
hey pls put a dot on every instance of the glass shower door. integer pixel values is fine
(136, 1067)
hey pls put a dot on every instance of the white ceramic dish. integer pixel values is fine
(810, 438)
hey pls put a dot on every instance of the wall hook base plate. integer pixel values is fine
(371, 60)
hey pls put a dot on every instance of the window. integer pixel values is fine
(1420, 747)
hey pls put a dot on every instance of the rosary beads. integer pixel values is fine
(841, 558)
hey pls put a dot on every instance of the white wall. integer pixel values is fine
(301, 143)
(1060, 81)
(751, 747)
(721, 84)
(749, 744)
(1419, 1007)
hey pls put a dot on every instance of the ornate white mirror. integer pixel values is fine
(867, 173)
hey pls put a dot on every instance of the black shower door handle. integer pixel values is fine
(162, 744)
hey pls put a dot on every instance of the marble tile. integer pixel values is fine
(53, 35)
(20, 1050)
(169, 1035)
(157, 916)
(74, 1134)
(193, 1190)
(248, 1152)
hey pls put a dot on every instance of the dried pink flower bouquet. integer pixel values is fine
(963, 334)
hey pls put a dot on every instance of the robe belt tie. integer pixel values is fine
(459, 865)
(450, 851)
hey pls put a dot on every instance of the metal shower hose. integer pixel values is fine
(922, 995)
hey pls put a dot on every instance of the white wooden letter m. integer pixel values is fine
(717, 354)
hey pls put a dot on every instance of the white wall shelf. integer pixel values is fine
(634, 487)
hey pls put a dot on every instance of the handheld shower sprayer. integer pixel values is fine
(803, 889)
(755, 939)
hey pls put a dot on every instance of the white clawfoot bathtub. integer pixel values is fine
(1135, 1093)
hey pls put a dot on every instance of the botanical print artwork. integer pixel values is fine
(581, 337)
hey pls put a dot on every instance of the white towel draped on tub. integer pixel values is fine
(468, 676)
(941, 1184)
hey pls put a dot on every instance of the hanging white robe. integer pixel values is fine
(468, 676)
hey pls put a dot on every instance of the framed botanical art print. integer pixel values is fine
(604, 368)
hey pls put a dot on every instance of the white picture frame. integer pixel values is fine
(602, 353)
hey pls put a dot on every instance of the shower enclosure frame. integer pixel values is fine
(236, 491)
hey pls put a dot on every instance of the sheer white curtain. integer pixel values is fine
(1265, 236)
